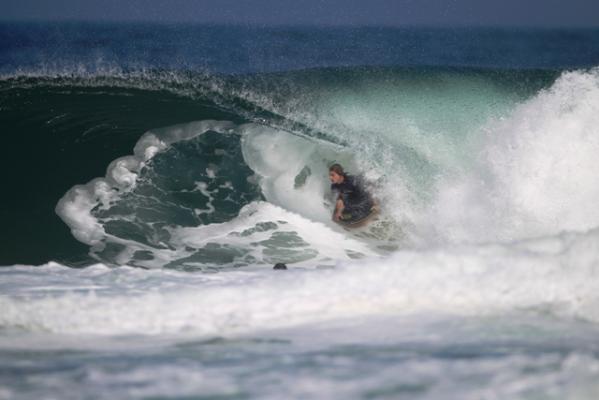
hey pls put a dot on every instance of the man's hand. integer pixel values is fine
(337, 216)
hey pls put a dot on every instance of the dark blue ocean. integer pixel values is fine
(252, 49)
(153, 174)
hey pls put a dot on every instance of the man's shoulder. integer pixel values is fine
(350, 179)
(354, 180)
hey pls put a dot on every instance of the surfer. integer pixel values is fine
(354, 203)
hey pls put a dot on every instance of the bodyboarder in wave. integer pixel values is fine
(354, 205)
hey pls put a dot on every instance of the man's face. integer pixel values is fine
(335, 177)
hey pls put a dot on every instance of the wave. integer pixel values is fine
(454, 155)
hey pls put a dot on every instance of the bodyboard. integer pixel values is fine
(357, 223)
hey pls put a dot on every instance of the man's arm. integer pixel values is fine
(339, 206)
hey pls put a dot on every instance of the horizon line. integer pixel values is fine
(240, 24)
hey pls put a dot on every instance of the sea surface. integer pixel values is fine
(152, 175)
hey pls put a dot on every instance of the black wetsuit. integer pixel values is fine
(356, 200)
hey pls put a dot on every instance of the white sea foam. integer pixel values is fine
(554, 276)
(536, 172)
(278, 158)
(321, 245)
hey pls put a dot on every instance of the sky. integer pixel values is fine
(523, 13)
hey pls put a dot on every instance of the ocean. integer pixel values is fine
(153, 174)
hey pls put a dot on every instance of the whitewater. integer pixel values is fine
(479, 279)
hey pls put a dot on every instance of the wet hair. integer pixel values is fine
(337, 168)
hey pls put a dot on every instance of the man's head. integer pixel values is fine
(336, 173)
